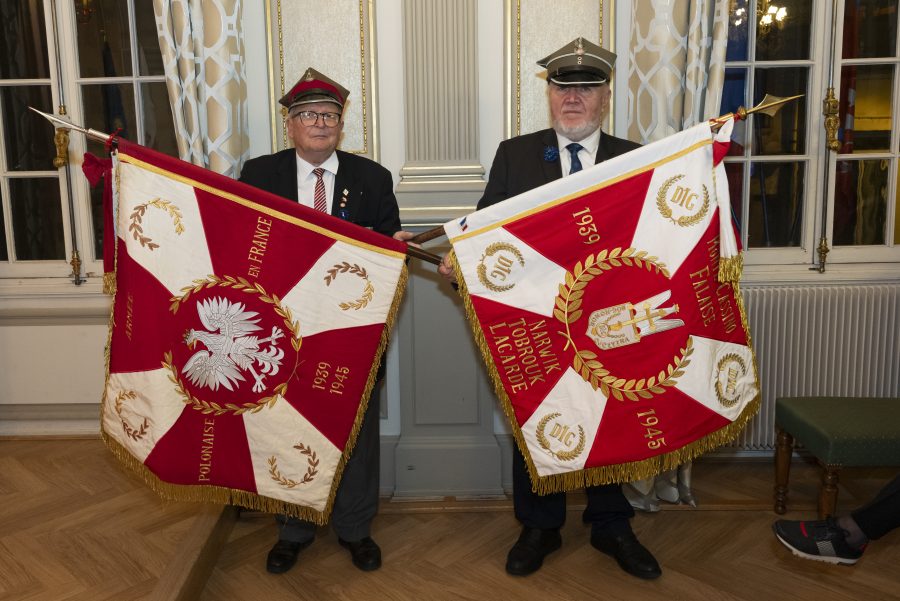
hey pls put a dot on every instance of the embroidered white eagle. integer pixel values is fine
(229, 347)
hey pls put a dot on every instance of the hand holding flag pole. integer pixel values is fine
(108, 139)
(768, 106)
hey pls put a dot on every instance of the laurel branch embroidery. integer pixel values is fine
(137, 218)
(245, 286)
(482, 270)
(545, 444)
(312, 463)
(130, 431)
(568, 311)
(666, 212)
(720, 394)
(211, 407)
(368, 291)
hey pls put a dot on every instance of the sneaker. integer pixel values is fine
(819, 541)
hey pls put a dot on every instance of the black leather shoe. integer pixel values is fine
(631, 555)
(527, 555)
(365, 553)
(283, 556)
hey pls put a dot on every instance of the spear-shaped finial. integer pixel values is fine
(768, 106)
(60, 122)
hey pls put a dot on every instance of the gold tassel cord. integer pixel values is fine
(731, 268)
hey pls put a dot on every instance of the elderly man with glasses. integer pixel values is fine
(355, 189)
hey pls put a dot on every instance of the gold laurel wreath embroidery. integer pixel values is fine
(368, 291)
(245, 286)
(312, 463)
(720, 395)
(684, 220)
(545, 444)
(211, 407)
(131, 432)
(137, 218)
(482, 270)
(568, 310)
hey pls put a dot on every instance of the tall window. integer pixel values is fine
(99, 60)
(788, 192)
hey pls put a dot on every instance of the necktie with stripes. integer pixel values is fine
(320, 202)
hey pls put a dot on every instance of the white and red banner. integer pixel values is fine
(245, 337)
(616, 347)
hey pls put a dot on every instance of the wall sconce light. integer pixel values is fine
(83, 10)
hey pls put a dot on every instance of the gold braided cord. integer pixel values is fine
(109, 283)
(731, 268)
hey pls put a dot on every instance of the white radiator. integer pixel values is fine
(821, 340)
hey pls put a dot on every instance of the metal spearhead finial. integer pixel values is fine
(60, 122)
(768, 106)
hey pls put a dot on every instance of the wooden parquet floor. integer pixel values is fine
(73, 525)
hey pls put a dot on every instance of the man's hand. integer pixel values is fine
(405, 236)
(446, 269)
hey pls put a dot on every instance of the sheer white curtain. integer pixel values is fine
(203, 48)
(675, 78)
(676, 66)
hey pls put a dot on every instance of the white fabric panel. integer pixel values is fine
(658, 235)
(587, 415)
(282, 423)
(153, 400)
(167, 262)
(537, 293)
(699, 379)
(316, 304)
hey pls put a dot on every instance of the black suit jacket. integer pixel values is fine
(519, 164)
(370, 189)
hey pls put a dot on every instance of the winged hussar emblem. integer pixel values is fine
(230, 349)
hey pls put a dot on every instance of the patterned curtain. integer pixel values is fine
(203, 48)
(675, 79)
(677, 65)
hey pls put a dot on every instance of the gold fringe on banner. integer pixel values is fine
(242, 498)
(109, 283)
(231, 496)
(731, 268)
(622, 472)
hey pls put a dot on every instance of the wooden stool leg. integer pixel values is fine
(829, 491)
(784, 448)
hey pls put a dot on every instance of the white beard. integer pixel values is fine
(577, 133)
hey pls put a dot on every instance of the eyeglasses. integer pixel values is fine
(310, 118)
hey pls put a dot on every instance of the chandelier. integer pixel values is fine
(769, 15)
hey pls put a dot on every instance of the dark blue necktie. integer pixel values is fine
(573, 149)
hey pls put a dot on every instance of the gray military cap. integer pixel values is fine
(579, 62)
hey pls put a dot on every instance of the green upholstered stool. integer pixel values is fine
(838, 431)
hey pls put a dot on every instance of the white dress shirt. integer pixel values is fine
(306, 181)
(587, 155)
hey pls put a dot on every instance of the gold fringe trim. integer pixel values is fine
(731, 268)
(607, 474)
(109, 283)
(232, 496)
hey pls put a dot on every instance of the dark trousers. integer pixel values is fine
(881, 514)
(607, 508)
(356, 500)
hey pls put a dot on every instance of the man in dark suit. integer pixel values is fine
(359, 190)
(579, 96)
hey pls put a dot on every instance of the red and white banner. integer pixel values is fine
(245, 337)
(616, 346)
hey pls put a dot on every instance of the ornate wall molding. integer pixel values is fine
(534, 29)
(340, 42)
(441, 96)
